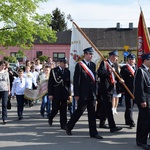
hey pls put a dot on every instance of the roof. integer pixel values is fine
(112, 38)
(63, 37)
(103, 38)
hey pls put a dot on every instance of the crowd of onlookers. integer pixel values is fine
(14, 82)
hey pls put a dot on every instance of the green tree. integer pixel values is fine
(10, 59)
(58, 20)
(43, 58)
(21, 25)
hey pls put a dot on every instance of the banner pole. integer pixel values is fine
(90, 42)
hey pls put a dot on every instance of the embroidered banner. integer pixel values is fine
(38, 93)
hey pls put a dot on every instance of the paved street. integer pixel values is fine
(34, 133)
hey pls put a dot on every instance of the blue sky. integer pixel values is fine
(100, 13)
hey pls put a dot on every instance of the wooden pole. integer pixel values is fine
(91, 43)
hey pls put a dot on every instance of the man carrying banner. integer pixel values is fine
(85, 93)
(106, 89)
(59, 92)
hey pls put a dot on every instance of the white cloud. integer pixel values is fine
(99, 15)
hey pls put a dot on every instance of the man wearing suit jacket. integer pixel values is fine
(127, 73)
(85, 93)
(59, 92)
(142, 99)
(106, 89)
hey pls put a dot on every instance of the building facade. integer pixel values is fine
(105, 39)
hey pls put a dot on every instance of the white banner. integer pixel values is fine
(78, 44)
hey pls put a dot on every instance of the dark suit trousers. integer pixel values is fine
(143, 125)
(129, 109)
(82, 105)
(62, 106)
(107, 99)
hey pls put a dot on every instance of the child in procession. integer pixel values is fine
(18, 89)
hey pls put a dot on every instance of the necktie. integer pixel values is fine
(133, 67)
(62, 71)
(88, 65)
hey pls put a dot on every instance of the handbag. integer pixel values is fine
(8, 103)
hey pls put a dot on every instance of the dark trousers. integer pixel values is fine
(62, 106)
(82, 105)
(107, 100)
(20, 105)
(129, 110)
(4, 96)
(143, 125)
(101, 112)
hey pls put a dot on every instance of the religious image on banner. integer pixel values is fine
(143, 38)
(78, 44)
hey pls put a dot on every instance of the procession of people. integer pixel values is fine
(98, 91)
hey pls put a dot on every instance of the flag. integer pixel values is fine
(78, 44)
(143, 39)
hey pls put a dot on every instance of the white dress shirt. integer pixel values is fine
(18, 87)
(29, 80)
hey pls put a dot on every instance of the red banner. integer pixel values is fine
(143, 39)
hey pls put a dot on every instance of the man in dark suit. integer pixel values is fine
(106, 89)
(59, 92)
(127, 73)
(85, 93)
(142, 99)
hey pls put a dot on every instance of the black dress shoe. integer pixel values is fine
(103, 126)
(131, 124)
(50, 121)
(68, 131)
(97, 137)
(115, 129)
(145, 146)
(4, 122)
(63, 127)
(20, 118)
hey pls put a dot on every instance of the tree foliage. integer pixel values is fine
(58, 20)
(43, 58)
(20, 25)
(11, 59)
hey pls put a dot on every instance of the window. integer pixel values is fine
(56, 56)
(38, 54)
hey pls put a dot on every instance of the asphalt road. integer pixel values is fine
(34, 133)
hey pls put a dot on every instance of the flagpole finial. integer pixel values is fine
(69, 18)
